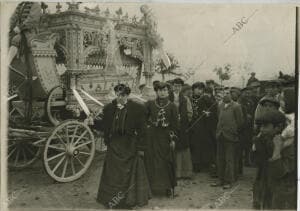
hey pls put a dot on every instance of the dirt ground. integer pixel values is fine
(32, 189)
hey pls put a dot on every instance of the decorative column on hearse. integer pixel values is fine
(154, 41)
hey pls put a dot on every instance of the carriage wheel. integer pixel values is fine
(55, 105)
(69, 151)
(21, 153)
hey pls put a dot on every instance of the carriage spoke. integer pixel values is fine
(81, 145)
(65, 168)
(58, 164)
(85, 153)
(17, 157)
(11, 152)
(80, 137)
(67, 134)
(57, 148)
(60, 138)
(75, 131)
(29, 150)
(56, 156)
(80, 162)
(74, 138)
(13, 144)
(24, 155)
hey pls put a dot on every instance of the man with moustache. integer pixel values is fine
(229, 123)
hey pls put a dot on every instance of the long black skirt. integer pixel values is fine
(124, 181)
(160, 161)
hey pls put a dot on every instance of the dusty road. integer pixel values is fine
(32, 188)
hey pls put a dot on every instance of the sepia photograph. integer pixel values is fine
(149, 105)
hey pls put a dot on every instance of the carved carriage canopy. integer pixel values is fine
(84, 38)
(85, 45)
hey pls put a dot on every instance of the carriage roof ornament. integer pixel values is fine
(73, 5)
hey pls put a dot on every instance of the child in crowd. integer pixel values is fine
(287, 105)
(275, 184)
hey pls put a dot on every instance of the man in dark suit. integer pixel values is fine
(230, 121)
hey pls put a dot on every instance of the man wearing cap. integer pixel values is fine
(255, 88)
(252, 79)
(197, 125)
(248, 106)
(229, 123)
(124, 134)
(211, 85)
(177, 84)
(162, 116)
(235, 93)
(208, 137)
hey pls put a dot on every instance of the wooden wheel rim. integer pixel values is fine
(68, 154)
(18, 150)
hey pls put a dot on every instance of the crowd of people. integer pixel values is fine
(195, 128)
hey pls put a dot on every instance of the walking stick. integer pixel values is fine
(172, 136)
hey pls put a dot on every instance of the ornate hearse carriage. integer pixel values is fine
(74, 61)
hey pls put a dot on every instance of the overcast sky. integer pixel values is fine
(195, 34)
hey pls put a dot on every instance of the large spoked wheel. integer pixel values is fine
(69, 151)
(55, 105)
(21, 152)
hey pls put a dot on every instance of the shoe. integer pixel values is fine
(216, 184)
(227, 186)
